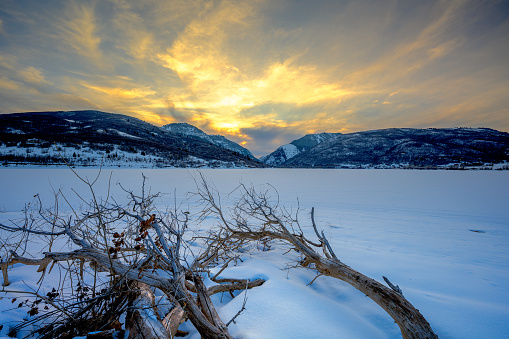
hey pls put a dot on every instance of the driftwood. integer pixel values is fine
(199, 310)
(147, 254)
(143, 320)
(143, 251)
(173, 320)
(256, 218)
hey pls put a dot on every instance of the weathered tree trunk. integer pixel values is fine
(257, 218)
(203, 316)
(410, 321)
(173, 320)
(202, 313)
(143, 321)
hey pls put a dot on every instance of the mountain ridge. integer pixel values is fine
(91, 138)
(407, 148)
(183, 128)
(285, 152)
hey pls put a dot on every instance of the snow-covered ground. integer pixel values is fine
(442, 236)
(57, 155)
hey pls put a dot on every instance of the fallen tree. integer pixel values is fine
(119, 257)
(133, 260)
(257, 217)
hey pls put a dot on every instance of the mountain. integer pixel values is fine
(285, 152)
(407, 147)
(92, 138)
(190, 131)
(87, 138)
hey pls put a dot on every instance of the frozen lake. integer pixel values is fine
(442, 236)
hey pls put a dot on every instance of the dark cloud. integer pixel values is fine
(178, 115)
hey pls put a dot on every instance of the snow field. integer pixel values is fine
(442, 236)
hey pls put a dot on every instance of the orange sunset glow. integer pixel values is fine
(261, 73)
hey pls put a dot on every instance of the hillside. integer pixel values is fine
(190, 131)
(288, 151)
(407, 147)
(87, 138)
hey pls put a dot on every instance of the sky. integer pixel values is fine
(261, 73)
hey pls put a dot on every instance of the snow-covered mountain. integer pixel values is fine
(409, 148)
(93, 138)
(188, 130)
(288, 151)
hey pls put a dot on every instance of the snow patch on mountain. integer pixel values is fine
(288, 151)
(124, 134)
(14, 131)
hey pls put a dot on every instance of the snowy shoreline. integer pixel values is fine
(134, 165)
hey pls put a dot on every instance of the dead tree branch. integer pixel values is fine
(257, 218)
(141, 249)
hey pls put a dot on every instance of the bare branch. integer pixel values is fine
(133, 244)
(241, 309)
(255, 219)
(394, 287)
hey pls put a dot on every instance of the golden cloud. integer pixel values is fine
(33, 75)
(8, 84)
(214, 83)
(122, 92)
(77, 29)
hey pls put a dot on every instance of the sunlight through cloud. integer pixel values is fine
(241, 67)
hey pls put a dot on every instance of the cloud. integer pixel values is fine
(127, 93)
(224, 86)
(77, 29)
(8, 84)
(17, 96)
(174, 113)
(33, 75)
(131, 32)
(198, 55)
(263, 139)
(285, 82)
(240, 68)
(7, 61)
(21, 82)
